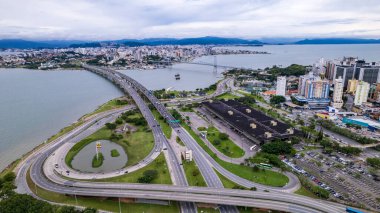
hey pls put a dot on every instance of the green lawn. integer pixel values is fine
(97, 160)
(186, 109)
(227, 183)
(265, 177)
(193, 175)
(305, 192)
(112, 104)
(227, 96)
(115, 153)
(158, 164)
(10, 167)
(179, 141)
(65, 130)
(226, 146)
(137, 144)
(164, 126)
(111, 205)
(256, 97)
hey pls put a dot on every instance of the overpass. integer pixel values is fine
(273, 199)
(205, 162)
(130, 86)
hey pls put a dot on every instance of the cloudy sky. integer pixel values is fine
(252, 19)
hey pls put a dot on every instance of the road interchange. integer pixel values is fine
(274, 199)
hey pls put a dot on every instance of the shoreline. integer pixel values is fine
(14, 164)
(141, 67)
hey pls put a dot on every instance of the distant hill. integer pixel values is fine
(208, 40)
(25, 44)
(90, 44)
(338, 41)
(22, 44)
(215, 41)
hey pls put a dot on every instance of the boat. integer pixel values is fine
(177, 76)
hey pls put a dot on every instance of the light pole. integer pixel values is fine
(35, 186)
(119, 205)
(75, 195)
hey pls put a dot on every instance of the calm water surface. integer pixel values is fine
(36, 104)
(83, 160)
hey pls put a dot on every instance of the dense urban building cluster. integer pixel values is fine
(141, 57)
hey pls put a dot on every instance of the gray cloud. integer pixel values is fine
(116, 19)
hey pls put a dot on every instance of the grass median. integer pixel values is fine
(222, 142)
(226, 96)
(166, 129)
(137, 144)
(110, 105)
(193, 175)
(265, 177)
(106, 204)
(159, 164)
(305, 192)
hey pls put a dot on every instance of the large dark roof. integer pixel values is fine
(241, 119)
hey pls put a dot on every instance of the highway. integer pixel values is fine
(205, 162)
(274, 199)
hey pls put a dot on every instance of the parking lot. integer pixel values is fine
(345, 179)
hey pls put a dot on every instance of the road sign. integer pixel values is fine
(98, 145)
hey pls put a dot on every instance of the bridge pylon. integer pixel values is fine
(215, 65)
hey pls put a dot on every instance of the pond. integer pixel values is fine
(83, 160)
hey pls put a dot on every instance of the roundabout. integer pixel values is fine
(45, 175)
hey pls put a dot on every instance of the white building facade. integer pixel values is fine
(361, 94)
(281, 85)
(337, 101)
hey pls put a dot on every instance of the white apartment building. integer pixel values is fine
(361, 94)
(281, 85)
(337, 101)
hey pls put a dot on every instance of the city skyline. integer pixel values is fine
(97, 20)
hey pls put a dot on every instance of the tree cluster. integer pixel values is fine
(277, 148)
(111, 126)
(320, 192)
(148, 176)
(262, 157)
(346, 132)
(277, 99)
(294, 69)
(374, 162)
(11, 202)
(247, 100)
(329, 147)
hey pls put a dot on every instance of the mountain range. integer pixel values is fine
(208, 40)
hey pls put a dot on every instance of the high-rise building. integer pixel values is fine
(361, 94)
(317, 89)
(302, 83)
(281, 85)
(337, 101)
(376, 96)
(351, 86)
(351, 68)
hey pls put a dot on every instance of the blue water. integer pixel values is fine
(36, 104)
